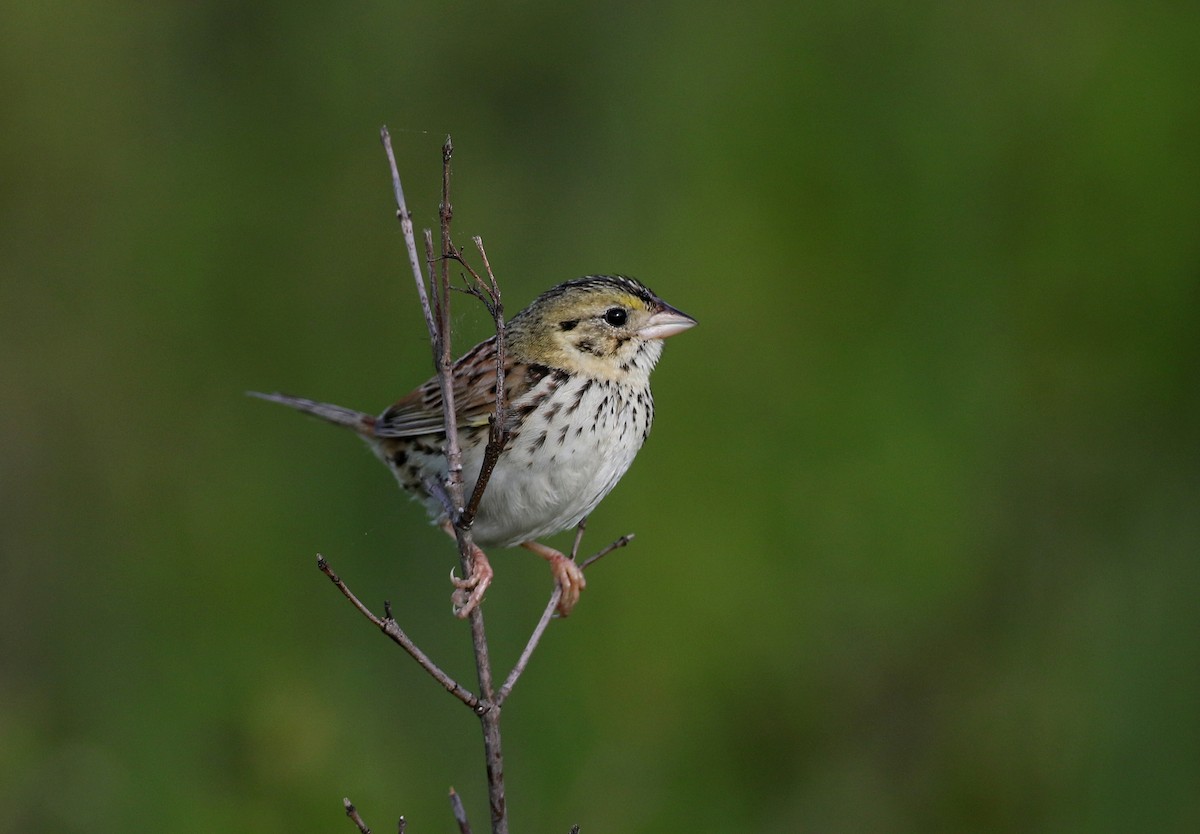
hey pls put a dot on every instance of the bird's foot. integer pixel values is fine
(567, 574)
(468, 593)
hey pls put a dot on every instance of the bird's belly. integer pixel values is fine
(554, 474)
(525, 501)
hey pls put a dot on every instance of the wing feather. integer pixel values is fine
(420, 412)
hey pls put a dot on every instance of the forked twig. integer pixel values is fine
(439, 337)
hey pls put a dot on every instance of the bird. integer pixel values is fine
(577, 386)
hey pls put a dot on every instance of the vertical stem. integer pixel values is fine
(437, 319)
(490, 719)
(489, 715)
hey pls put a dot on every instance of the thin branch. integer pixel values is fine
(437, 321)
(444, 361)
(579, 528)
(446, 208)
(406, 227)
(389, 627)
(535, 638)
(439, 337)
(498, 431)
(619, 543)
(548, 614)
(437, 489)
(352, 813)
(460, 813)
(439, 334)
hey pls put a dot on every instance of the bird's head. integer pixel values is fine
(604, 326)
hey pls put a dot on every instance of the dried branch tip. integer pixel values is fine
(352, 813)
(460, 813)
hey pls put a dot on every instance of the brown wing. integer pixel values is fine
(474, 395)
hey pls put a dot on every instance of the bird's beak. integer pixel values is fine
(667, 321)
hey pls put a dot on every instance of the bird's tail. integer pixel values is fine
(357, 420)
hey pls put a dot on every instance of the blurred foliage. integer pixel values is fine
(917, 527)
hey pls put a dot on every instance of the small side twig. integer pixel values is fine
(548, 613)
(406, 226)
(460, 813)
(392, 629)
(498, 431)
(526, 653)
(352, 813)
(619, 543)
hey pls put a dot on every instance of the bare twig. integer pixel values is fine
(619, 543)
(444, 365)
(460, 813)
(548, 614)
(534, 638)
(406, 227)
(579, 529)
(489, 293)
(498, 431)
(352, 813)
(389, 627)
(439, 338)
(446, 209)
(438, 490)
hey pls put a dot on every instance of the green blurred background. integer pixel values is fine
(917, 526)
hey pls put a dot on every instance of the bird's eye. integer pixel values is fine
(616, 316)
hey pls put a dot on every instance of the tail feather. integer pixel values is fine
(357, 420)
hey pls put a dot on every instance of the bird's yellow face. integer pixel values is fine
(601, 326)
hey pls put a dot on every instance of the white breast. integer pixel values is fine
(567, 455)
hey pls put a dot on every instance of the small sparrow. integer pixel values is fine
(577, 387)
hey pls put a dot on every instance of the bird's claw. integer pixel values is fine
(570, 579)
(463, 584)
(468, 592)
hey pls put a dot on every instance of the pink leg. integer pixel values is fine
(568, 574)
